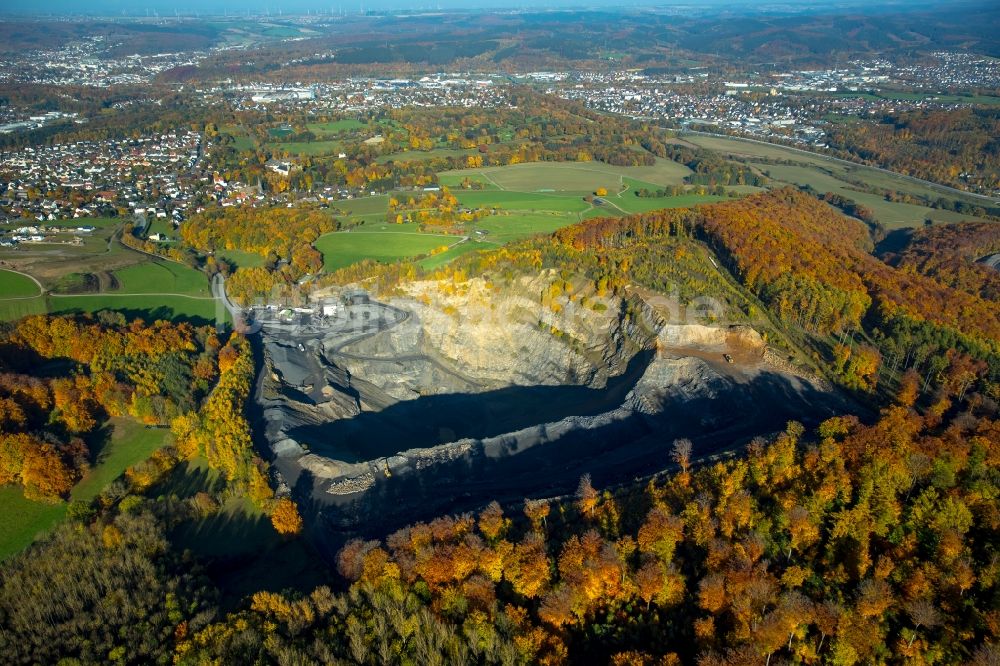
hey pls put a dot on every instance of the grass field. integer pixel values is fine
(534, 198)
(337, 126)
(130, 442)
(98, 222)
(420, 155)
(22, 520)
(513, 226)
(19, 296)
(522, 201)
(828, 175)
(240, 259)
(892, 214)
(197, 310)
(187, 295)
(309, 148)
(15, 309)
(162, 277)
(749, 150)
(242, 141)
(345, 248)
(575, 177)
(162, 225)
(49, 262)
(633, 204)
(362, 205)
(453, 180)
(15, 285)
(380, 226)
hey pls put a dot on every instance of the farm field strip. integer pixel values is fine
(750, 149)
(343, 248)
(574, 177)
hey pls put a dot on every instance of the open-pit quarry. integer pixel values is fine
(447, 396)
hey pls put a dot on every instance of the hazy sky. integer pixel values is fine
(169, 7)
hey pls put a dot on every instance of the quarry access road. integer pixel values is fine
(337, 350)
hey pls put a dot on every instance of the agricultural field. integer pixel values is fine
(19, 296)
(575, 177)
(199, 310)
(508, 227)
(98, 252)
(893, 215)
(126, 443)
(337, 126)
(344, 248)
(309, 148)
(633, 204)
(828, 175)
(162, 277)
(421, 155)
(16, 285)
(362, 206)
(522, 201)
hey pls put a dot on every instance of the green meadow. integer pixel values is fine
(162, 277)
(344, 248)
(123, 443)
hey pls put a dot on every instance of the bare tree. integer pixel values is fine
(682, 453)
(923, 614)
(586, 496)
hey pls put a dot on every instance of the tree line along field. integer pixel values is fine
(125, 443)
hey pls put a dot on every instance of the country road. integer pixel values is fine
(219, 293)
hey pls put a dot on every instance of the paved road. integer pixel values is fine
(920, 181)
(219, 293)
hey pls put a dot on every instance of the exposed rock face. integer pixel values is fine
(468, 373)
(489, 337)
